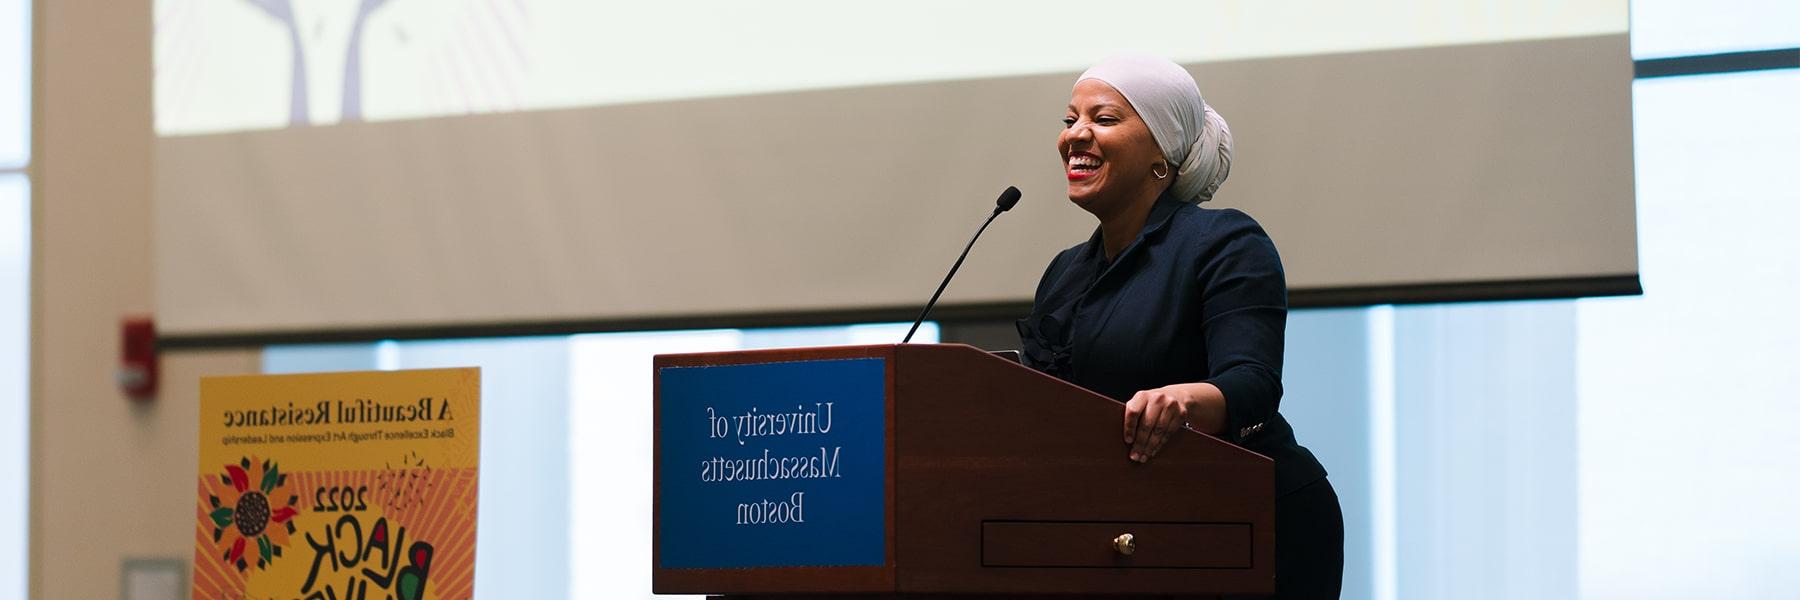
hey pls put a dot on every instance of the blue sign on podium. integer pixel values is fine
(773, 465)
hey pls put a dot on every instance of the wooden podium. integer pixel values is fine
(979, 477)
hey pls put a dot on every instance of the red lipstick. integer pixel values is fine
(1081, 165)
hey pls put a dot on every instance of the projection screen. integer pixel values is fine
(476, 167)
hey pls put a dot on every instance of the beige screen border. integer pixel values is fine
(1449, 170)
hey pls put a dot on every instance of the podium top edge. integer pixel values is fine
(802, 353)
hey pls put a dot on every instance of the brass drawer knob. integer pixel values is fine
(1125, 544)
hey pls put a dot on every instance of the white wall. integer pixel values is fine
(110, 479)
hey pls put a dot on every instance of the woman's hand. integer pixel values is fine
(1153, 416)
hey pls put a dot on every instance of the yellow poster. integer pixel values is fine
(338, 485)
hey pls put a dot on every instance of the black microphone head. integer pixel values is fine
(1008, 198)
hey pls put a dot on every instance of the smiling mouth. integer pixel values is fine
(1082, 165)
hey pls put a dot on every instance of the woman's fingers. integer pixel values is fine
(1151, 418)
(1133, 410)
(1172, 420)
(1154, 408)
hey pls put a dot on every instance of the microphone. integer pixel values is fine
(1007, 200)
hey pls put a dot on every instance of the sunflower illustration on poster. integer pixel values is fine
(251, 503)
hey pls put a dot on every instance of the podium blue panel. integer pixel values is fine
(773, 465)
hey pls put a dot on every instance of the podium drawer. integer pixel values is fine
(1097, 544)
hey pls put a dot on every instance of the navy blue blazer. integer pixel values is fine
(1198, 296)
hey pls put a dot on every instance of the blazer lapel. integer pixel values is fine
(1114, 276)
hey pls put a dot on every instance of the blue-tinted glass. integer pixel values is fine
(1484, 438)
(525, 463)
(1688, 394)
(1330, 398)
(15, 280)
(15, 82)
(1440, 425)
(1662, 28)
(572, 442)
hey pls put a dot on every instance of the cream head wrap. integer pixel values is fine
(1192, 136)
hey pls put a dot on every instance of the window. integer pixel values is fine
(1593, 447)
(1669, 28)
(1687, 394)
(15, 392)
(566, 468)
(15, 286)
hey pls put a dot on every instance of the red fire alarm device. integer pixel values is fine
(137, 364)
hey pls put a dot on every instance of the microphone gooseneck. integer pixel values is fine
(1007, 200)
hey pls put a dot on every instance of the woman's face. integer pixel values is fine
(1108, 153)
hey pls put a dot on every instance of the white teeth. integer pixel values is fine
(1086, 162)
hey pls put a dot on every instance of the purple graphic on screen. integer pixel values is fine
(470, 58)
(283, 11)
(298, 113)
(352, 108)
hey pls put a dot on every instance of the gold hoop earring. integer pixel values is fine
(1162, 175)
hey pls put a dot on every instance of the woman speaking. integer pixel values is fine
(1175, 309)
